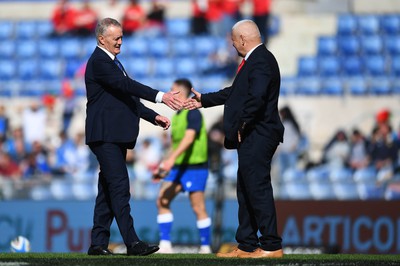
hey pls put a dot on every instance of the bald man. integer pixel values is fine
(252, 126)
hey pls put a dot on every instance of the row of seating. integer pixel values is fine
(368, 24)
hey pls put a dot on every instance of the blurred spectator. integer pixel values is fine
(69, 104)
(8, 168)
(63, 18)
(383, 152)
(199, 24)
(215, 145)
(58, 160)
(358, 158)
(230, 14)
(336, 153)
(34, 119)
(3, 123)
(36, 165)
(16, 146)
(288, 150)
(113, 9)
(214, 18)
(155, 23)
(134, 18)
(85, 20)
(261, 16)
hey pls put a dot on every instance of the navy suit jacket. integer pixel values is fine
(250, 103)
(113, 106)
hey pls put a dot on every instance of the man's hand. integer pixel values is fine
(170, 99)
(194, 102)
(163, 122)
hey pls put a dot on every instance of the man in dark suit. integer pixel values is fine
(253, 127)
(112, 126)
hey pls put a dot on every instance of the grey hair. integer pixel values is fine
(103, 25)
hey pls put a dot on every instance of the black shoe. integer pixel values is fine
(141, 248)
(99, 251)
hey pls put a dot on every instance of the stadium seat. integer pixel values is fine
(371, 45)
(182, 47)
(318, 173)
(178, 27)
(89, 44)
(375, 65)
(6, 29)
(329, 66)
(295, 190)
(380, 85)
(50, 69)
(365, 175)
(72, 67)
(138, 67)
(309, 86)
(392, 191)
(294, 175)
(274, 25)
(8, 69)
(356, 85)
(321, 190)
(395, 85)
(10, 88)
(44, 28)
(370, 191)
(332, 86)
(48, 48)
(159, 47)
(341, 175)
(71, 48)
(392, 45)
(204, 45)
(186, 67)
(211, 83)
(26, 49)
(327, 46)
(163, 67)
(346, 190)
(346, 24)
(349, 45)
(390, 24)
(161, 83)
(26, 29)
(288, 86)
(368, 24)
(61, 189)
(352, 66)
(7, 49)
(135, 46)
(395, 66)
(307, 66)
(28, 69)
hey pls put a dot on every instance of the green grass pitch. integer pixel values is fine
(78, 259)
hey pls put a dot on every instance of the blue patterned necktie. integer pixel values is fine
(118, 63)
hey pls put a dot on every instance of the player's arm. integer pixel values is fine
(186, 142)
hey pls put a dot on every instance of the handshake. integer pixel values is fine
(171, 100)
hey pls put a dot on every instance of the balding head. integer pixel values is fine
(245, 36)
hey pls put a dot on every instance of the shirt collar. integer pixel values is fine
(108, 53)
(249, 53)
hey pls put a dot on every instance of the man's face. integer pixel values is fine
(112, 40)
(237, 43)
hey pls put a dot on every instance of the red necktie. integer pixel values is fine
(240, 66)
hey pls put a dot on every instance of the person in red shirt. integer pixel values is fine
(199, 23)
(85, 20)
(261, 16)
(134, 17)
(63, 18)
(231, 13)
(214, 18)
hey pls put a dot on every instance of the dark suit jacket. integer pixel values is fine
(251, 101)
(113, 106)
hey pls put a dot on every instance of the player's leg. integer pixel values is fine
(165, 218)
(203, 221)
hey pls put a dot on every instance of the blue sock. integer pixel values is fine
(164, 225)
(204, 227)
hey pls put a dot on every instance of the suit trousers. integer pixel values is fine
(113, 196)
(257, 212)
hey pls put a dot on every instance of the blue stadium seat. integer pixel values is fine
(7, 49)
(346, 24)
(44, 28)
(352, 66)
(8, 69)
(48, 48)
(178, 27)
(135, 46)
(341, 175)
(89, 44)
(293, 175)
(375, 65)
(295, 190)
(32, 88)
(327, 45)
(159, 47)
(390, 24)
(370, 191)
(321, 190)
(346, 190)
(371, 45)
(163, 67)
(357, 85)
(349, 45)
(396, 85)
(51, 69)
(138, 67)
(307, 66)
(61, 189)
(26, 29)
(72, 66)
(186, 67)
(332, 86)
(161, 83)
(274, 25)
(212, 83)
(392, 44)
(393, 191)
(365, 175)
(309, 86)
(368, 24)
(28, 69)
(329, 66)
(6, 29)
(71, 48)
(26, 49)
(395, 66)
(182, 47)
(380, 85)
(204, 45)
(288, 85)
